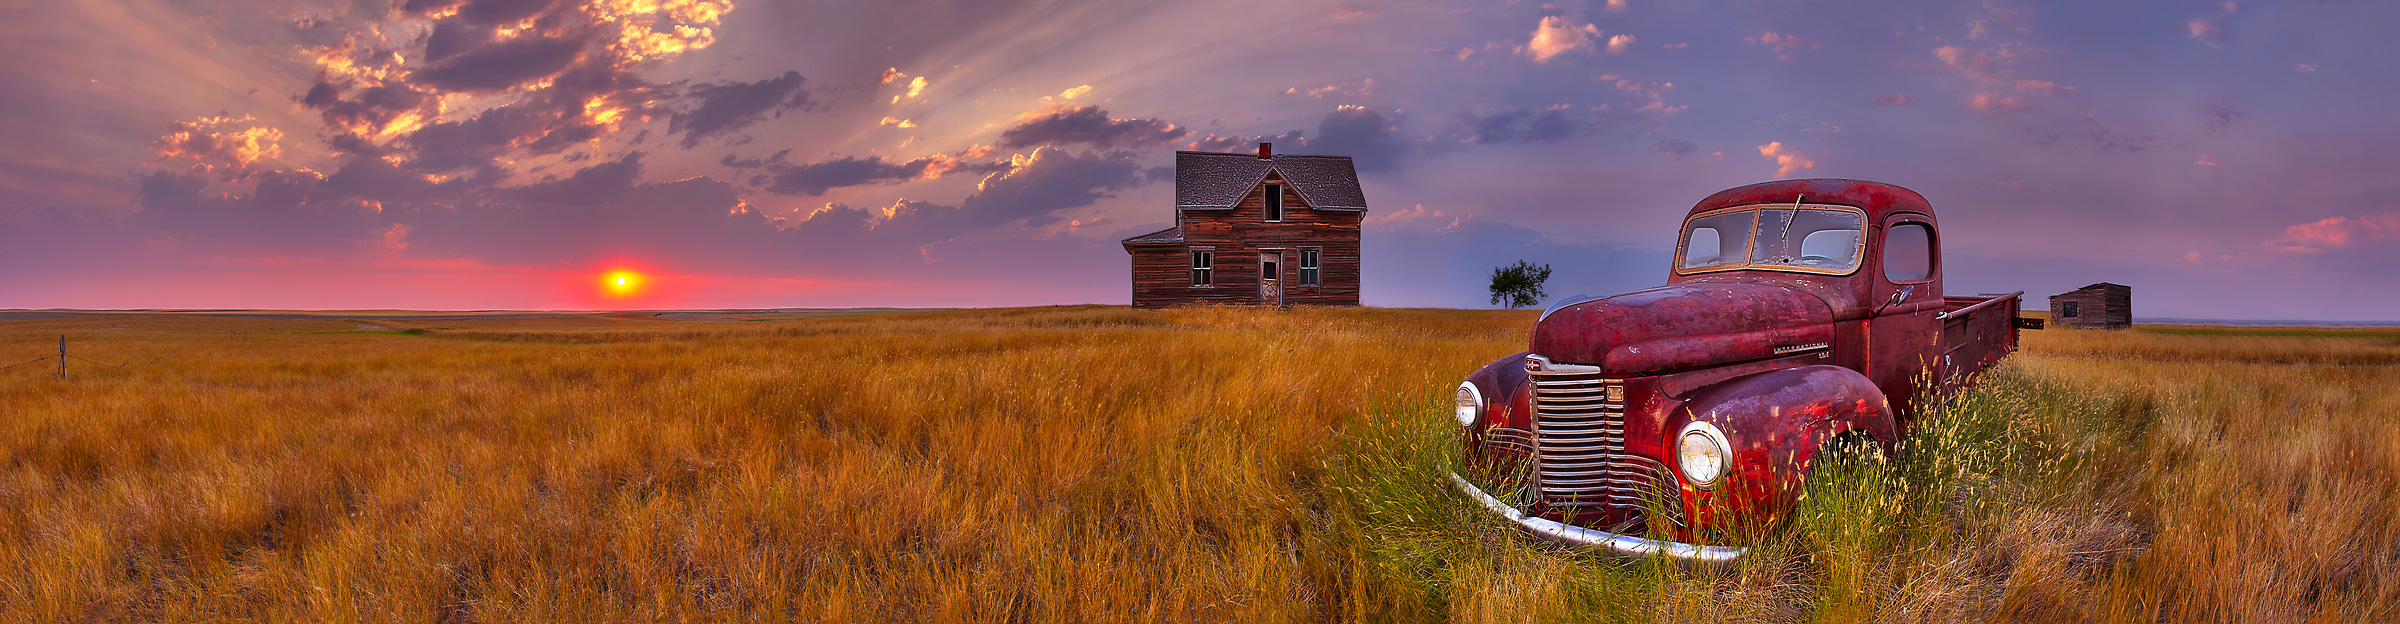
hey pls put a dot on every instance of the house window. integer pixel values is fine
(1274, 202)
(1308, 267)
(1203, 264)
(2069, 309)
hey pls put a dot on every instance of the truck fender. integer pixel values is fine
(1504, 432)
(1774, 423)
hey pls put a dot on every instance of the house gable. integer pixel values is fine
(1212, 181)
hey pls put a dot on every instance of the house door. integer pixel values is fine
(1270, 278)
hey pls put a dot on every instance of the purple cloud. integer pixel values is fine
(1068, 125)
(498, 66)
(1520, 126)
(1237, 143)
(285, 214)
(2216, 116)
(730, 107)
(817, 178)
(1360, 133)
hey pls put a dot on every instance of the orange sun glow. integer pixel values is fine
(621, 283)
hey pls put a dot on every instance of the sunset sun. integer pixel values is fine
(621, 283)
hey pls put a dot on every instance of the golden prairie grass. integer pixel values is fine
(1094, 463)
(2181, 474)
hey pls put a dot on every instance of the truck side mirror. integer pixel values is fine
(1897, 297)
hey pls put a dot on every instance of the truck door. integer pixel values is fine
(1903, 334)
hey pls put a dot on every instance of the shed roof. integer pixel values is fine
(1161, 237)
(2099, 286)
(1215, 181)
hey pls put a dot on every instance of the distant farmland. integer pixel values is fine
(1094, 463)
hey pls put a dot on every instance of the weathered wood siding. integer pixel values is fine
(1162, 276)
(1162, 273)
(2100, 306)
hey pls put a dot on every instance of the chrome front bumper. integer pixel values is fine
(1628, 545)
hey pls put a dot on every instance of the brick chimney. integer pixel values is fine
(1266, 151)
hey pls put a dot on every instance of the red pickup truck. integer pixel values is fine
(1799, 316)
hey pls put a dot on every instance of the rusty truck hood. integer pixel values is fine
(1684, 326)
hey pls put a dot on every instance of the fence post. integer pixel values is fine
(62, 357)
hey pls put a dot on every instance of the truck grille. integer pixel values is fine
(1579, 418)
(1517, 441)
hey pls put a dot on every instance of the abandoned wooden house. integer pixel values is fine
(2098, 306)
(1254, 229)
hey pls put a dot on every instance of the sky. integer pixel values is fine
(2225, 160)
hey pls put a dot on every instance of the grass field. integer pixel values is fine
(1099, 464)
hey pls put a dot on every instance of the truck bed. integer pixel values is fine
(1976, 332)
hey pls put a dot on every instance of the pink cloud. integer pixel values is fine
(1362, 88)
(2205, 260)
(1975, 64)
(2042, 86)
(1654, 93)
(2206, 31)
(1555, 36)
(1787, 160)
(1895, 99)
(1996, 66)
(2209, 30)
(2338, 232)
(396, 238)
(2021, 186)
(1618, 44)
(1782, 43)
(1999, 105)
(1647, 89)
(1408, 214)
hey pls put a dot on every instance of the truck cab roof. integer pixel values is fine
(1876, 198)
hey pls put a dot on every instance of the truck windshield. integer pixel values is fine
(1809, 239)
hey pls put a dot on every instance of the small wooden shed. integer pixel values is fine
(1254, 229)
(2098, 306)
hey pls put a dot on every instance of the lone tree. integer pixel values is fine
(1519, 285)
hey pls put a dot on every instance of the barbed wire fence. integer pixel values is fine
(62, 358)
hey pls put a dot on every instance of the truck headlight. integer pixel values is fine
(1701, 452)
(1470, 404)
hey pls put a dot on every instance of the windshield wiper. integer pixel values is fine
(1783, 238)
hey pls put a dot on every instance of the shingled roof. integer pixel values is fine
(1214, 181)
(1161, 237)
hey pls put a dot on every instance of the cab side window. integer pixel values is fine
(1908, 252)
